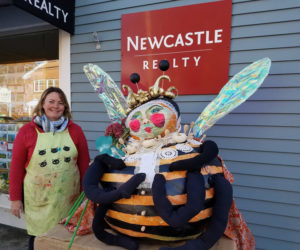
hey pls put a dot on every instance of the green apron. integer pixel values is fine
(52, 181)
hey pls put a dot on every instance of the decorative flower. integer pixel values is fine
(117, 130)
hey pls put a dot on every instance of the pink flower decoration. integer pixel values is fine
(158, 120)
(135, 125)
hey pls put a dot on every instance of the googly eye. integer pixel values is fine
(55, 161)
(42, 152)
(43, 164)
(54, 150)
(67, 159)
(66, 148)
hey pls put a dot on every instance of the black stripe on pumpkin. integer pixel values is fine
(189, 229)
(215, 162)
(148, 210)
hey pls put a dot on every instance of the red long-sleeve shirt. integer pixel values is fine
(23, 148)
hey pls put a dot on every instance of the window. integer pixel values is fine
(38, 86)
(21, 85)
(51, 83)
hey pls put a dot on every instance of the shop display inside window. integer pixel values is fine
(21, 85)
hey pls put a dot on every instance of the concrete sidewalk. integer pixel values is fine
(12, 238)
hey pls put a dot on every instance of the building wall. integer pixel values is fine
(259, 141)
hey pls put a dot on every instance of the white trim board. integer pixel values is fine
(65, 63)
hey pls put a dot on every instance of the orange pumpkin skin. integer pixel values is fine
(137, 217)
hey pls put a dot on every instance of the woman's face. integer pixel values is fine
(53, 106)
(151, 119)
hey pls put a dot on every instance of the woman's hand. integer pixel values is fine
(16, 207)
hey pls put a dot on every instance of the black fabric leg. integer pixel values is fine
(195, 199)
(108, 238)
(218, 223)
(31, 242)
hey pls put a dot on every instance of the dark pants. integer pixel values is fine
(31, 242)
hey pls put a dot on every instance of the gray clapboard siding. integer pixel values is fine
(83, 107)
(273, 183)
(87, 57)
(90, 126)
(79, 3)
(286, 80)
(105, 36)
(276, 233)
(262, 119)
(264, 132)
(281, 15)
(272, 170)
(259, 141)
(267, 145)
(134, 5)
(276, 41)
(262, 6)
(272, 107)
(269, 195)
(262, 206)
(266, 29)
(87, 47)
(80, 77)
(262, 157)
(284, 67)
(278, 245)
(277, 55)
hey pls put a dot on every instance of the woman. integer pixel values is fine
(50, 156)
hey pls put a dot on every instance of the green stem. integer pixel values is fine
(78, 224)
(75, 206)
(76, 203)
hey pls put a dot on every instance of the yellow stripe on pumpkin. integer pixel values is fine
(112, 177)
(178, 158)
(116, 177)
(182, 174)
(204, 214)
(146, 200)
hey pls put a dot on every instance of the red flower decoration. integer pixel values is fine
(116, 129)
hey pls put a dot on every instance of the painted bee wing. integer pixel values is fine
(108, 92)
(237, 90)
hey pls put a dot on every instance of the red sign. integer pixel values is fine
(195, 39)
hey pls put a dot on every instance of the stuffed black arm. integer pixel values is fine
(219, 219)
(95, 193)
(208, 151)
(94, 173)
(195, 187)
(195, 199)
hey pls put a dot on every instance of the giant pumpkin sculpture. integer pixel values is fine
(169, 185)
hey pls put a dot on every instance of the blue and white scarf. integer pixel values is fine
(51, 126)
